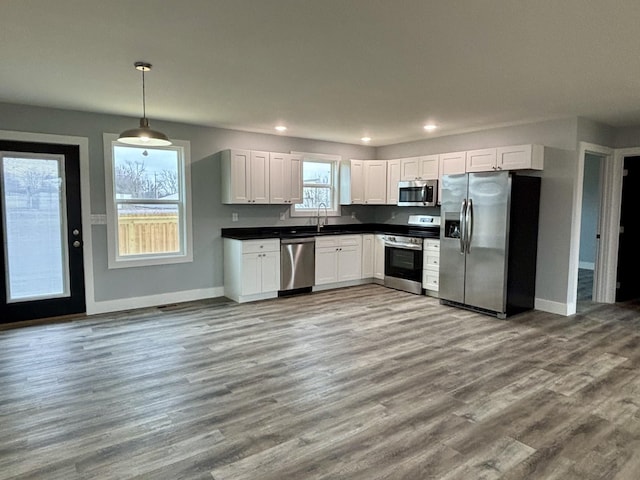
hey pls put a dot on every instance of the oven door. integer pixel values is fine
(403, 262)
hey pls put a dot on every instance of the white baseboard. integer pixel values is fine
(153, 300)
(554, 307)
(587, 265)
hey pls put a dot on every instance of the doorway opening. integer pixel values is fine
(627, 285)
(589, 225)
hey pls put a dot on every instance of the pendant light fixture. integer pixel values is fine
(144, 135)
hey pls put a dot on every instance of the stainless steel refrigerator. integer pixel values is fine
(488, 241)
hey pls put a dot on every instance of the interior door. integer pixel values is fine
(41, 232)
(628, 252)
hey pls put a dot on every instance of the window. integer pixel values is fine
(320, 185)
(148, 203)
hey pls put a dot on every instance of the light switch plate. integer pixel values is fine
(234, 217)
(283, 216)
(98, 218)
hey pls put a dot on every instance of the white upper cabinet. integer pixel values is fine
(259, 175)
(285, 183)
(481, 160)
(419, 168)
(245, 176)
(375, 182)
(516, 157)
(452, 163)
(393, 177)
(363, 182)
(520, 157)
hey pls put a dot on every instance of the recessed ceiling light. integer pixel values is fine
(366, 139)
(281, 128)
(430, 127)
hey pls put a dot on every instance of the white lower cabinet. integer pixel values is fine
(431, 266)
(338, 258)
(251, 269)
(378, 257)
(367, 255)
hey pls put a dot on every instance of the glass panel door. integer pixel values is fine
(34, 226)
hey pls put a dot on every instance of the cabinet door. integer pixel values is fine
(357, 182)
(278, 184)
(378, 260)
(326, 265)
(270, 272)
(295, 174)
(349, 263)
(409, 168)
(429, 167)
(367, 255)
(481, 160)
(375, 182)
(251, 274)
(240, 173)
(518, 157)
(453, 163)
(259, 174)
(393, 177)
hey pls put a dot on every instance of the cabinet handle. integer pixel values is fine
(494, 167)
(499, 168)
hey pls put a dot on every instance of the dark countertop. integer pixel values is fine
(293, 231)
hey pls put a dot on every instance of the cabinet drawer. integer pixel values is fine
(431, 260)
(258, 246)
(430, 281)
(327, 241)
(350, 240)
(430, 244)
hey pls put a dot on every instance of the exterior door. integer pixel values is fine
(41, 231)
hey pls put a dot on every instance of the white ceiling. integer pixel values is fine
(328, 69)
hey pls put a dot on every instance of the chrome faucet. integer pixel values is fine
(322, 204)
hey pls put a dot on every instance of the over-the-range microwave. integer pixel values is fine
(418, 193)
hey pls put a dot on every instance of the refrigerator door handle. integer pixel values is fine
(463, 230)
(469, 226)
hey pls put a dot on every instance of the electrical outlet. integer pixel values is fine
(283, 216)
(234, 217)
(393, 214)
(353, 214)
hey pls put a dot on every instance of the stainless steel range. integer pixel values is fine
(403, 253)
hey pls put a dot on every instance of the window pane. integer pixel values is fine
(314, 196)
(148, 229)
(34, 228)
(316, 172)
(145, 173)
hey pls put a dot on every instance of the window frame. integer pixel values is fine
(185, 226)
(335, 161)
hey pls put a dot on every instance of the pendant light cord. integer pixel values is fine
(144, 103)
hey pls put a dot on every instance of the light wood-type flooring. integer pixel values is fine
(358, 383)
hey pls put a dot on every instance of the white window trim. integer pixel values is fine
(335, 211)
(114, 261)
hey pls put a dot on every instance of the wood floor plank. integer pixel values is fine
(358, 383)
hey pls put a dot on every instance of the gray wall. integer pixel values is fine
(627, 137)
(590, 208)
(209, 215)
(553, 133)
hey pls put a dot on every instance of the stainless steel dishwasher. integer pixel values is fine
(297, 264)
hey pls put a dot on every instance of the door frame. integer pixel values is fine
(85, 199)
(605, 270)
